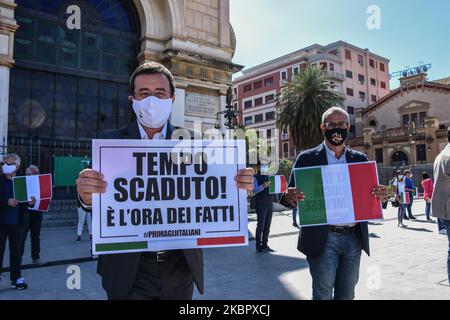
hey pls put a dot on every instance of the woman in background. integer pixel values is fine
(402, 197)
(428, 186)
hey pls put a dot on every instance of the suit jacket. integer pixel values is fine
(312, 240)
(23, 207)
(440, 202)
(118, 271)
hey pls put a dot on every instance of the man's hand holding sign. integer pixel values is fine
(169, 195)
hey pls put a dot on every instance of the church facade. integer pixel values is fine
(65, 66)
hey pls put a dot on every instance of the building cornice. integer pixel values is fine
(426, 85)
(8, 27)
(8, 4)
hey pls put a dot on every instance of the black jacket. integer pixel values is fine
(118, 271)
(312, 240)
(23, 207)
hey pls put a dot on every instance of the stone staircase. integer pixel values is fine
(62, 213)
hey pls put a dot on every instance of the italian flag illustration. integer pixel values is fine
(38, 186)
(338, 194)
(277, 184)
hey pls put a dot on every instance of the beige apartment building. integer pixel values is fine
(359, 75)
(408, 127)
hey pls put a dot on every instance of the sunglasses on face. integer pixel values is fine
(8, 163)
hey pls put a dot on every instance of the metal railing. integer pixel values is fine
(41, 152)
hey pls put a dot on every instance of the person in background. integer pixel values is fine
(264, 211)
(411, 189)
(441, 194)
(34, 226)
(294, 217)
(428, 186)
(399, 187)
(13, 218)
(83, 214)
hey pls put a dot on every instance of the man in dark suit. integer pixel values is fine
(13, 219)
(168, 275)
(333, 252)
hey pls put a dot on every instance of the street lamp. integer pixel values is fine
(230, 114)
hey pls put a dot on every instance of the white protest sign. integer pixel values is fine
(166, 195)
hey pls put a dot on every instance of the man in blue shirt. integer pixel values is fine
(410, 188)
(13, 217)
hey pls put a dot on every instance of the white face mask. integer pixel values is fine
(153, 112)
(400, 177)
(9, 168)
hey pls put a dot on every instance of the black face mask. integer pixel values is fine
(329, 134)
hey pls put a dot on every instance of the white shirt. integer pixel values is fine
(331, 157)
(157, 136)
(401, 185)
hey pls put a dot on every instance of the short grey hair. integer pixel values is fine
(334, 110)
(31, 168)
(12, 156)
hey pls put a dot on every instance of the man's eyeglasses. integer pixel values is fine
(334, 125)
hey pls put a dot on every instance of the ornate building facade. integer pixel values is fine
(65, 64)
(407, 127)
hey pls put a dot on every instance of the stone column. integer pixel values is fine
(8, 27)
(4, 102)
(225, 27)
(178, 111)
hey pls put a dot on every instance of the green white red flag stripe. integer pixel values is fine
(41, 205)
(277, 184)
(38, 186)
(404, 197)
(338, 194)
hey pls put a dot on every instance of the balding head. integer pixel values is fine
(332, 111)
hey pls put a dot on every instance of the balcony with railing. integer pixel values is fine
(335, 75)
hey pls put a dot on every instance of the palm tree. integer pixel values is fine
(301, 104)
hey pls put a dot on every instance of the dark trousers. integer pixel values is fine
(167, 280)
(14, 234)
(447, 226)
(409, 206)
(34, 227)
(264, 214)
(427, 210)
(441, 225)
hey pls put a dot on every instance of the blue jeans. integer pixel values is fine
(336, 268)
(401, 213)
(428, 209)
(447, 225)
(441, 225)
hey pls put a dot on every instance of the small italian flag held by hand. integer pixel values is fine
(404, 197)
(41, 205)
(38, 186)
(277, 184)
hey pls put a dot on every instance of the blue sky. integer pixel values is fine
(411, 30)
